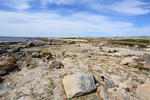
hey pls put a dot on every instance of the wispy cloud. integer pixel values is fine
(27, 21)
(57, 2)
(50, 24)
(17, 4)
(131, 7)
(125, 7)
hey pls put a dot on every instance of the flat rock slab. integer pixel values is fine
(78, 84)
(143, 91)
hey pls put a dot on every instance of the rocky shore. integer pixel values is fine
(74, 69)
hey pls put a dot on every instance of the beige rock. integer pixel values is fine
(7, 66)
(10, 59)
(104, 94)
(143, 91)
(128, 60)
(136, 46)
(148, 49)
(78, 84)
(146, 64)
(109, 50)
(26, 98)
(148, 46)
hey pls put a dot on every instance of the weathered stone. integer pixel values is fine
(3, 72)
(146, 64)
(30, 44)
(49, 43)
(2, 50)
(78, 84)
(26, 98)
(109, 50)
(110, 84)
(103, 93)
(56, 64)
(148, 49)
(5, 88)
(16, 49)
(50, 56)
(6, 67)
(146, 56)
(148, 46)
(35, 55)
(63, 53)
(129, 61)
(143, 91)
(11, 59)
(136, 46)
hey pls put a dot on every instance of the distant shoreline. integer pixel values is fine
(16, 39)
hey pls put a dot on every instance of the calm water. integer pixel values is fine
(15, 39)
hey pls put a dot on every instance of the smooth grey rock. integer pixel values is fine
(5, 88)
(110, 84)
(35, 55)
(78, 84)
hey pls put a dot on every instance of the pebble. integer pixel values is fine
(110, 84)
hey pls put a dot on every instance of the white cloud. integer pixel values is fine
(17, 4)
(58, 2)
(126, 7)
(51, 24)
(130, 7)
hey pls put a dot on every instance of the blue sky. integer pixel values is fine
(74, 18)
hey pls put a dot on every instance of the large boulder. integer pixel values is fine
(143, 91)
(78, 84)
(30, 44)
(130, 61)
(6, 67)
(11, 59)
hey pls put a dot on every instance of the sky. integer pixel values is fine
(69, 18)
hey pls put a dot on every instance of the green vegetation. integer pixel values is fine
(132, 40)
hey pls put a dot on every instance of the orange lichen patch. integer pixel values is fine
(127, 55)
(25, 64)
(116, 44)
(46, 52)
(31, 67)
(11, 59)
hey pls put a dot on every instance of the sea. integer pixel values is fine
(16, 39)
